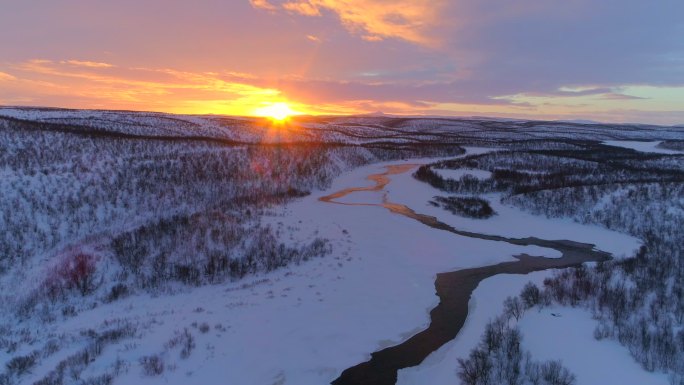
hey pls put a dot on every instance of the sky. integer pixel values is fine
(604, 60)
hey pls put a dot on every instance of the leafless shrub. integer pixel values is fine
(530, 295)
(103, 379)
(69, 311)
(152, 365)
(50, 348)
(74, 365)
(117, 291)
(513, 307)
(186, 342)
(22, 364)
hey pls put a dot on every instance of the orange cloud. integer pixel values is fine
(91, 64)
(262, 4)
(60, 83)
(305, 8)
(374, 20)
(6, 77)
(313, 38)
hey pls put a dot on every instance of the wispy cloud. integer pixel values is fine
(90, 86)
(618, 96)
(373, 20)
(263, 4)
(6, 77)
(60, 83)
(313, 38)
(304, 8)
(90, 64)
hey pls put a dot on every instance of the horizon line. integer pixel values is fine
(378, 114)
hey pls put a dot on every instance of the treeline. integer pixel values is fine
(470, 207)
(677, 145)
(206, 249)
(519, 172)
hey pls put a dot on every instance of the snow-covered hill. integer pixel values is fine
(348, 130)
(158, 248)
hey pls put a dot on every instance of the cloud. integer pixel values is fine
(373, 20)
(304, 8)
(532, 46)
(60, 83)
(90, 64)
(436, 57)
(262, 4)
(313, 38)
(609, 93)
(6, 77)
(618, 96)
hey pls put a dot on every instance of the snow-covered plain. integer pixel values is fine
(569, 337)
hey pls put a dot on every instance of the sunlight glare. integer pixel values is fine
(276, 111)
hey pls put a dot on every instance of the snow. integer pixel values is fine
(350, 130)
(440, 367)
(592, 361)
(641, 146)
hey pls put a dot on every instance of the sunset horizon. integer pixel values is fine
(378, 114)
(616, 63)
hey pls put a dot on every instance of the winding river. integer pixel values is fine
(453, 288)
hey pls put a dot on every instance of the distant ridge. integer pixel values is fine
(375, 114)
(578, 121)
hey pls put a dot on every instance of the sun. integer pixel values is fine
(277, 111)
